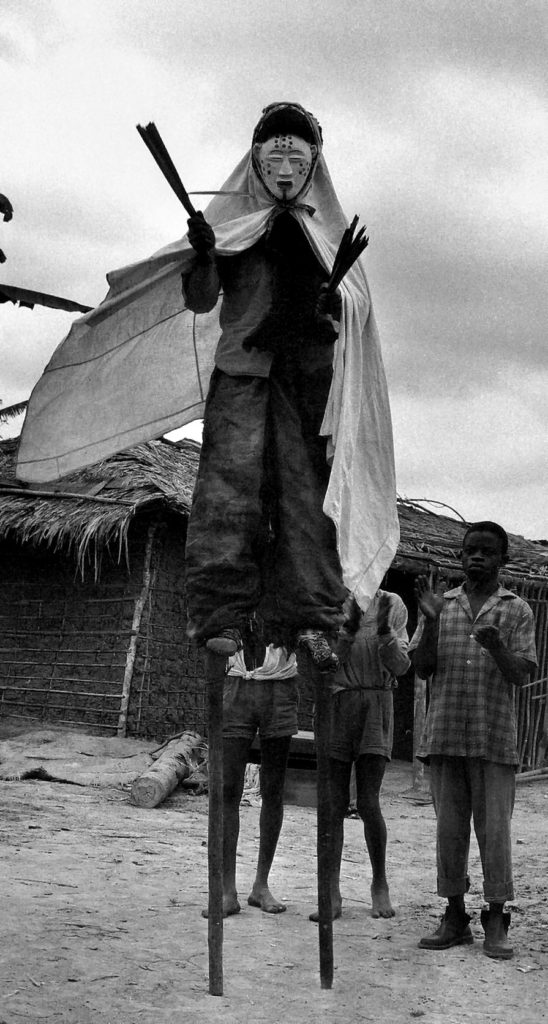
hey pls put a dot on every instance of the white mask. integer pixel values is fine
(284, 163)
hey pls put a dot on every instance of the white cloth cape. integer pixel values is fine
(138, 366)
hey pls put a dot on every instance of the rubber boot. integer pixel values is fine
(496, 943)
(454, 930)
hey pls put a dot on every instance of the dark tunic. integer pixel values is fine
(258, 539)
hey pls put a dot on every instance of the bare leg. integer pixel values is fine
(274, 753)
(340, 794)
(235, 753)
(370, 770)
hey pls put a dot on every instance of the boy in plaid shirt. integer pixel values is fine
(476, 642)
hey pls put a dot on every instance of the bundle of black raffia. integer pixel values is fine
(154, 142)
(350, 248)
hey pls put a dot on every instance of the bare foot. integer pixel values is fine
(230, 905)
(336, 908)
(260, 896)
(380, 898)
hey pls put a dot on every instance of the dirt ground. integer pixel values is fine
(101, 918)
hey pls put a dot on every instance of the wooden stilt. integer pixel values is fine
(215, 670)
(325, 913)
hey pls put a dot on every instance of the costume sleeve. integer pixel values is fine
(393, 646)
(417, 635)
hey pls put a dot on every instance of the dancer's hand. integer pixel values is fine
(383, 609)
(200, 235)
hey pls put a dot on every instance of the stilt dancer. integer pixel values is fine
(258, 536)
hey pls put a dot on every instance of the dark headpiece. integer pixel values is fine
(288, 118)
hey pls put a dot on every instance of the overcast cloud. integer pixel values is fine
(436, 133)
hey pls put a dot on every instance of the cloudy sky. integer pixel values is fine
(434, 115)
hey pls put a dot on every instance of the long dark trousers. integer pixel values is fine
(258, 539)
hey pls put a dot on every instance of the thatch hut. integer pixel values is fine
(92, 608)
(93, 611)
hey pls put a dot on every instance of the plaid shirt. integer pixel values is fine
(471, 707)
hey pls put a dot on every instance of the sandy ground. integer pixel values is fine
(101, 918)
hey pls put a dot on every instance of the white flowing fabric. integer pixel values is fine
(138, 366)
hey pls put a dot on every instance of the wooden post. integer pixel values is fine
(215, 671)
(419, 792)
(325, 913)
(419, 717)
(148, 581)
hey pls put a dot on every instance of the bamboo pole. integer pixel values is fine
(531, 720)
(325, 912)
(83, 632)
(419, 718)
(215, 673)
(542, 698)
(27, 492)
(64, 664)
(67, 693)
(137, 616)
(418, 788)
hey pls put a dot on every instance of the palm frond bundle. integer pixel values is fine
(350, 248)
(154, 142)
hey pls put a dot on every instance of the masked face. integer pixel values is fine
(284, 163)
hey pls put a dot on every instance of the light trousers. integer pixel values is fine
(473, 789)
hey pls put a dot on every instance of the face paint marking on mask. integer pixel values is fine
(284, 163)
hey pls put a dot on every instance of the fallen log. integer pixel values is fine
(181, 757)
(533, 775)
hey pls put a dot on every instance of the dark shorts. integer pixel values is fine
(362, 722)
(266, 706)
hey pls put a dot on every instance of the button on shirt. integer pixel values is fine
(471, 706)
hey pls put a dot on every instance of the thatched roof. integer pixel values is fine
(430, 539)
(93, 509)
